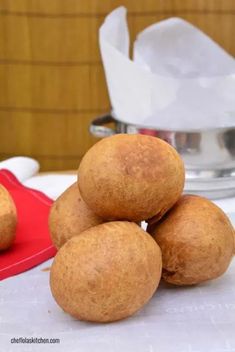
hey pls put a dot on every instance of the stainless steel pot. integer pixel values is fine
(209, 155)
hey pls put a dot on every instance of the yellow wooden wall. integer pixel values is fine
(51, 78)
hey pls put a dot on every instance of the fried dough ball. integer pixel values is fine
(196, 240)
(131, 177)
(8, 219)
(69, 216)
(106, 273)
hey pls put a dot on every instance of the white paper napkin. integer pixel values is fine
(21, 166)
(52, 185)
(178, 78)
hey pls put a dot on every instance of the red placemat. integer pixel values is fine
(32, 245)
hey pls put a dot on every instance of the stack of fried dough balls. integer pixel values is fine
(107, 267)
(8, 219)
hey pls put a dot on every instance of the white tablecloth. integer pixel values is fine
(194, 319)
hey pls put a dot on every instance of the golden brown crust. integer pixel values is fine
(196, 240)
(107, 273)
(69, 216)
(234, 239)
(8, 219)
(131, 177)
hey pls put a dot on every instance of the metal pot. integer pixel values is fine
(209, 155)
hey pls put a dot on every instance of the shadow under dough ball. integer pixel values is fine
(69, 216)
(196, 240)
(131, 177)
(106, 273)
(8, 219)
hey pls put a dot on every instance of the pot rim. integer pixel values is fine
(193, 130)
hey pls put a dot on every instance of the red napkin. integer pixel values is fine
(32, 245)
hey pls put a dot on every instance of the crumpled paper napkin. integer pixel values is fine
(178, 79)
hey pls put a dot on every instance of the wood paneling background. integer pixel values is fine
(51, 78)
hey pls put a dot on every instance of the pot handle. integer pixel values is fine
(98, 129)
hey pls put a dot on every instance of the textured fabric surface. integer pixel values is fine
(190, 319)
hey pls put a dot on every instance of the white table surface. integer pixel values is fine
(194, 319)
